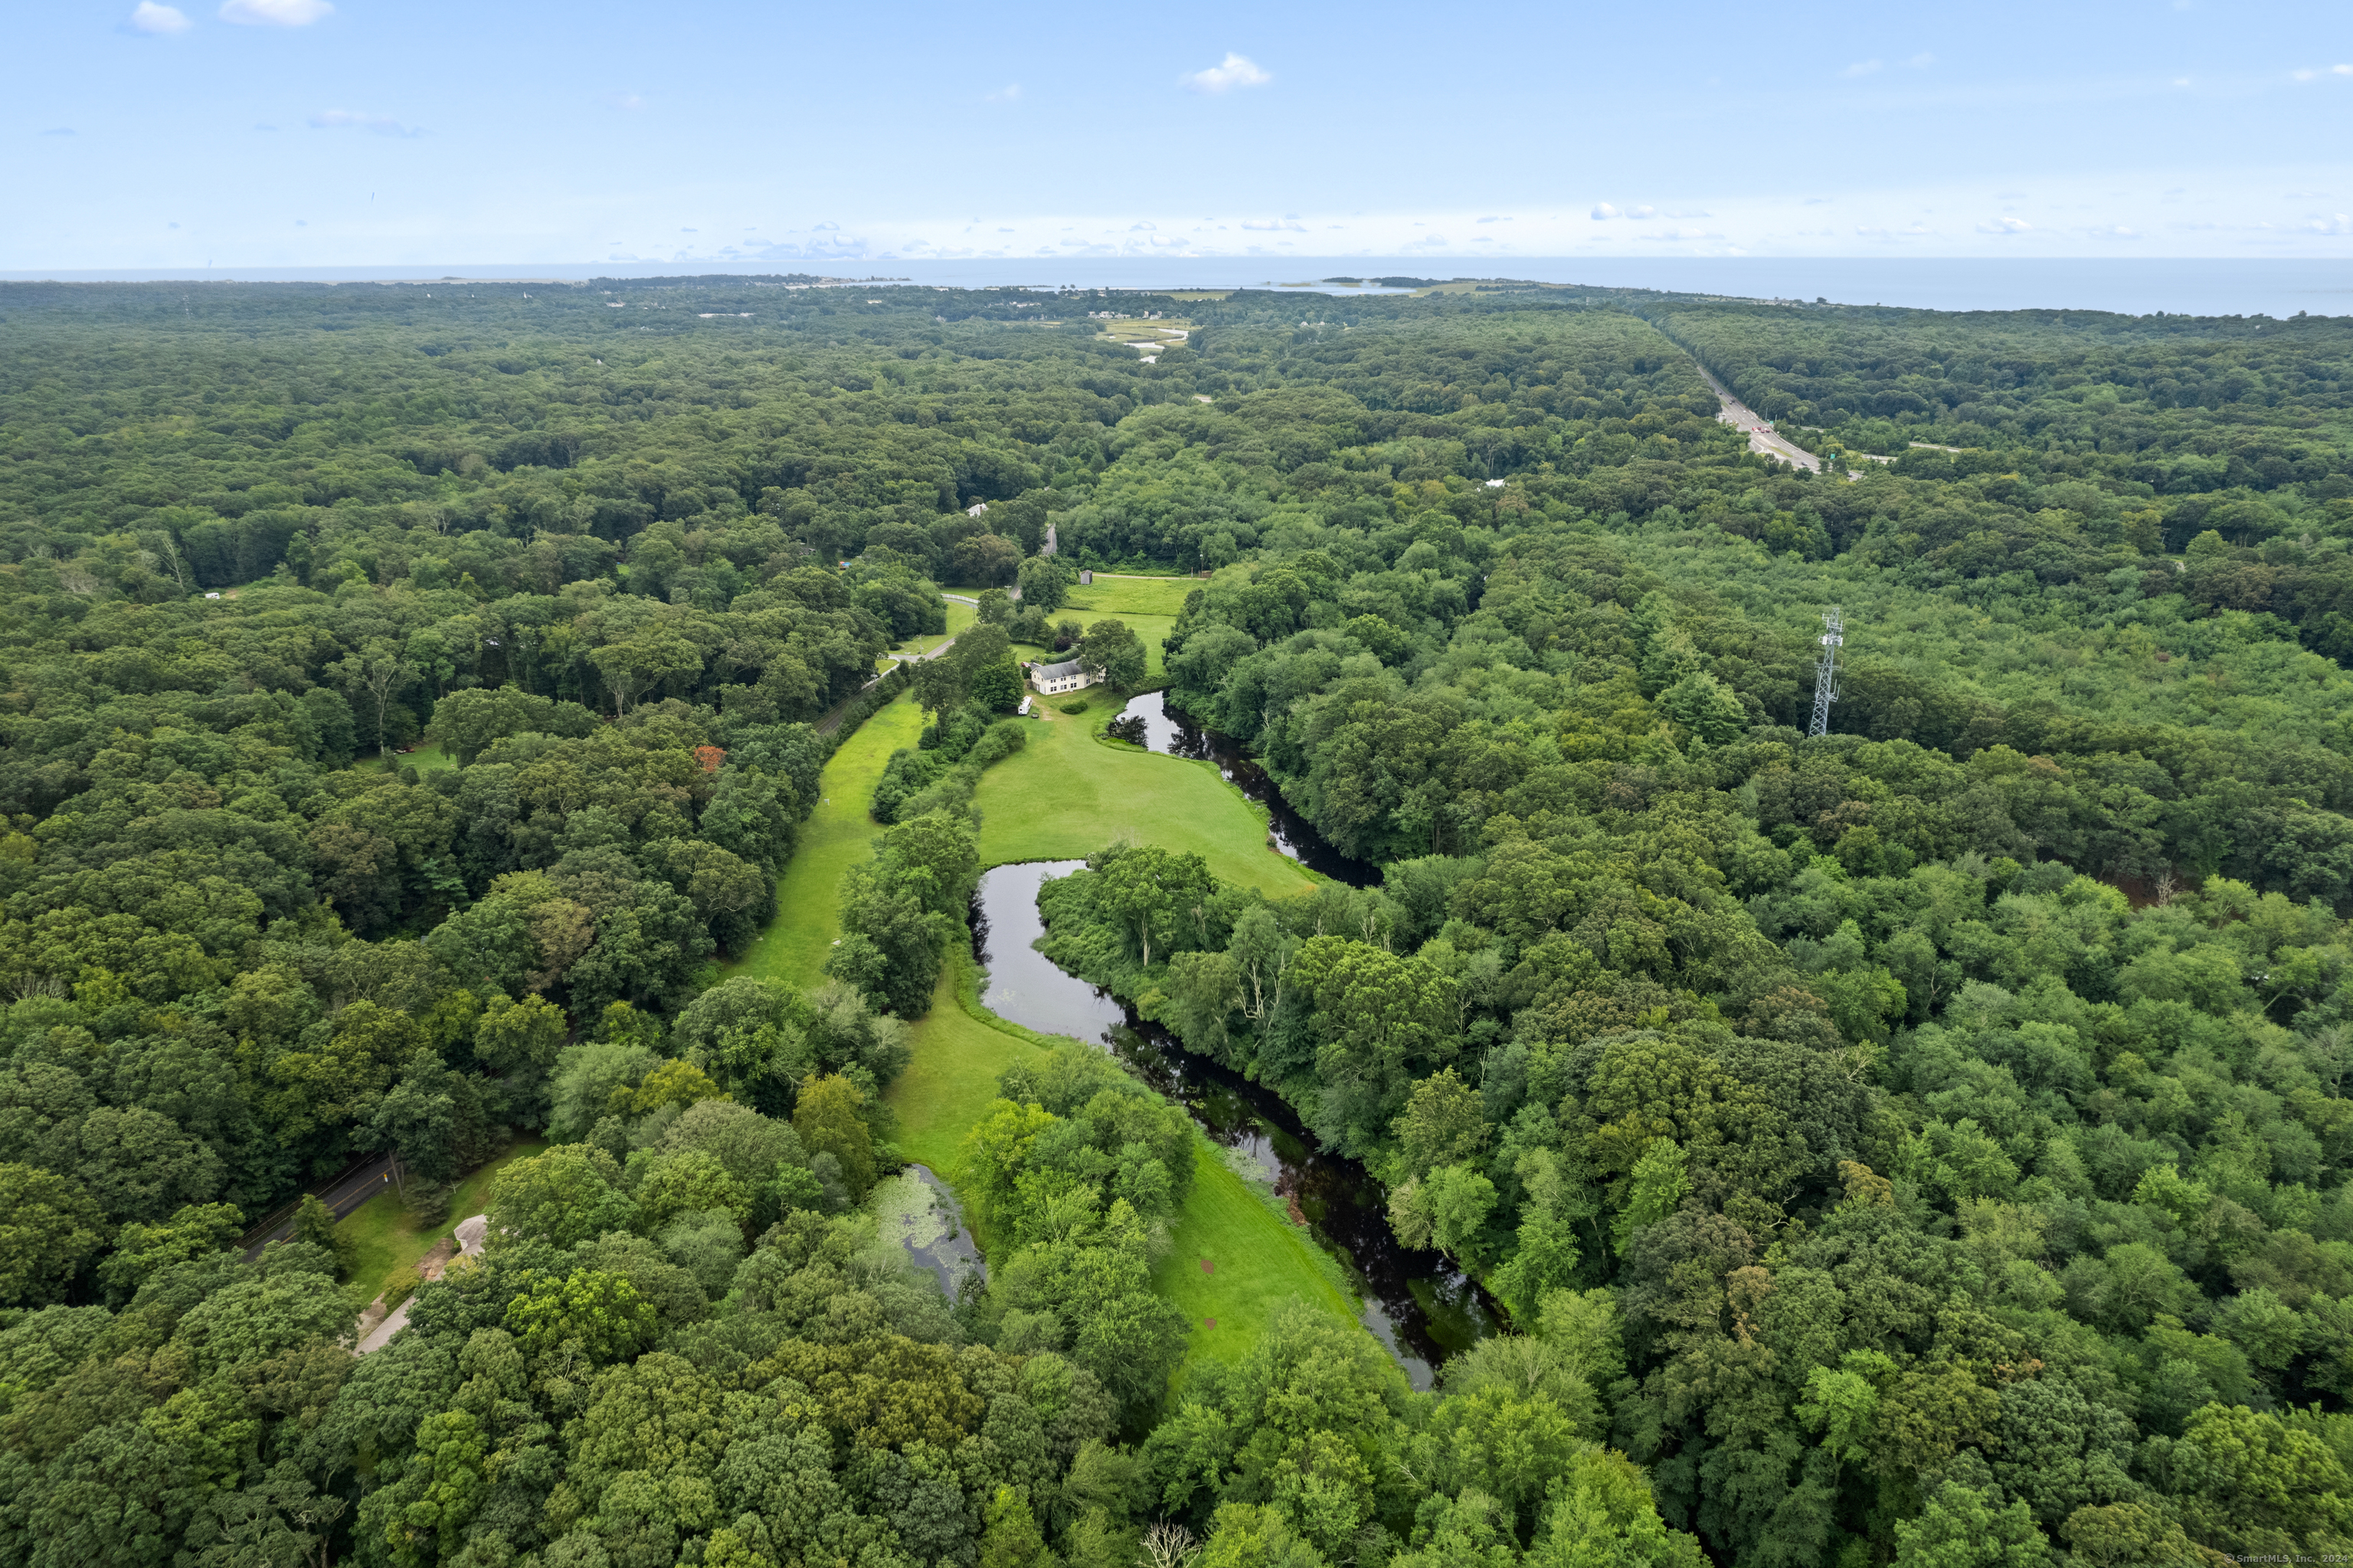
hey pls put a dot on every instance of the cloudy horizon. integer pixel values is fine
(306, 132)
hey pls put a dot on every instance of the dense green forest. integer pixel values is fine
(1923, 1144)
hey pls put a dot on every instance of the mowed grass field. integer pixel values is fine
(1146, 606)
(951, 1081)
(1124, 596)
(838, 836)
(389, 1240)
(428, 758)
(1065, 795)
(1059, 800)
(1255, 1259)
(959, 617)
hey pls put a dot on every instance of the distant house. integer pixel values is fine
(978, 508)
(1066, 676)
(1086, 578)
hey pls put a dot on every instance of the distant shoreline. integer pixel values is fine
(2204, 286)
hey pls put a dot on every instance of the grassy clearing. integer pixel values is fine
(1065, 795)
(389, 1240)
(959, 617)
(428, 758)
(951, 1080)
(792, 950)
(1258, 1261)
(1136, 329)
(1124, 596)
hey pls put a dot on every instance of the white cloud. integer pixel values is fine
(341, 119)
(1145, 228)
(1233, 71)
(275, 13)
(2316, 73)
(1008, 94)
(1603, 212)
(2005, 225)
(1683, 234)
(1642, 212)
(1494, 220)
(1919, 61)
(2340, 224)
(632, 102)
(151, 18)
(1273, 223)
(1863, 67)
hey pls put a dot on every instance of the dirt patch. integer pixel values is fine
(432, 1265)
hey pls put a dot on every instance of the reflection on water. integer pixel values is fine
(1290, 832)
(1020, 982)
(1416, 1303)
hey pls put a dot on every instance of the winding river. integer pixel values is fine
(1287, 830)
(1416, 1303)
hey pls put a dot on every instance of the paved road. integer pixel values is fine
(832, 720)
(360, 1180)
(1761, 439)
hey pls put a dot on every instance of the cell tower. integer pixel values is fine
(1826, 673)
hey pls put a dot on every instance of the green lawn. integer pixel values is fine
(951, 1077)
(1258, 1260)
(837, 836)
(428, 758)
(959, 617)
(389, 1241)
(1065, 795)
(1124, 596)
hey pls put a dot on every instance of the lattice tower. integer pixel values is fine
(1826, 672)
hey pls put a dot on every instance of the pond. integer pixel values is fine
(1416, 1303)
(916, 1211)
(1178, 736)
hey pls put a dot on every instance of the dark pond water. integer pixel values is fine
(1290, 832)
(1416, 1303)
(916, 1210)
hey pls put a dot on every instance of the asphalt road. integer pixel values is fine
(360, 1182)
(1761, 439)
(832, 721)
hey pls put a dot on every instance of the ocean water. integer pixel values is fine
(2136, 286)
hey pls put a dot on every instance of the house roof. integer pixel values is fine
(1055, 672)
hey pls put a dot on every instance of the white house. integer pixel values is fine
(1066, 676)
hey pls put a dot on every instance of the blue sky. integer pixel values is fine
(305, 133)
